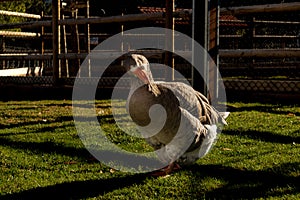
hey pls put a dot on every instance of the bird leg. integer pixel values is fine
(167, 170)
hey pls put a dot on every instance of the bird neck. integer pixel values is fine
(135, 83)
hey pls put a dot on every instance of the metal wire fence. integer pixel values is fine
(259, 51)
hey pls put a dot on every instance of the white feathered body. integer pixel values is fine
(185, 129)
(190, 136)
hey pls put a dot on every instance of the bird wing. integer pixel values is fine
(194, 102)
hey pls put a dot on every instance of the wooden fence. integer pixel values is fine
(246, 64)
(59, 55)
(256, 59)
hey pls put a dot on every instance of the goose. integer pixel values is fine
(174, 119)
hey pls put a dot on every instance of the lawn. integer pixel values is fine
(42, 157)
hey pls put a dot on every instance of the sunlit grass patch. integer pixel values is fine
(42, 155)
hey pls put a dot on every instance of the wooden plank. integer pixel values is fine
(93, 55)
(200, 30)
(276, 36)
(282, 7)
(87, 32)
(24, 57)
(213, 43)
(231, 36)
(9, 0)
(261, 36)
(55, 39)
(24, 71)
(31, 24)
(169, 42)
(237, 21)
(277, 22)
(275, 53)
(19, 14)
(19, 34)
(97, 20)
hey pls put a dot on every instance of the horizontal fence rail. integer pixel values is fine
(19, 14)
(262, 53)
(98, 20)
(19, 34)
(94, 55)
(282, 7)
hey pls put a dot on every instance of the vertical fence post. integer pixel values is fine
(64, 62)
(55, 39)
(76, 43)
(2, 46)
(205, 32)
(213, 43)
(200, 15)
(169, 39)
(42, 63)
(298, 40)
(87, 36)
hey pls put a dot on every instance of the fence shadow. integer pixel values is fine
(265, 136)
(240, 184)
(263, 108)
(245, 184)
(78, 189)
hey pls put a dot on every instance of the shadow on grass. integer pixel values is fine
(78, 189)
(42, 130)
(265, 136)
(240, 184)
(46, 147)
(262, 108)
(39, 121)
(244, 184)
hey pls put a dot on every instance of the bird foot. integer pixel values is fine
(166, 170)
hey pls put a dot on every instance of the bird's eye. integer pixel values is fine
(144, 66)
(133, 67)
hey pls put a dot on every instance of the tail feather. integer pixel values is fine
(209, 113)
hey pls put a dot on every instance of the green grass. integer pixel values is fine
(41, 156)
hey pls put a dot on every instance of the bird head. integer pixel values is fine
(139, 66)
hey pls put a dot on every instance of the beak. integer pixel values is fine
(141, 74)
